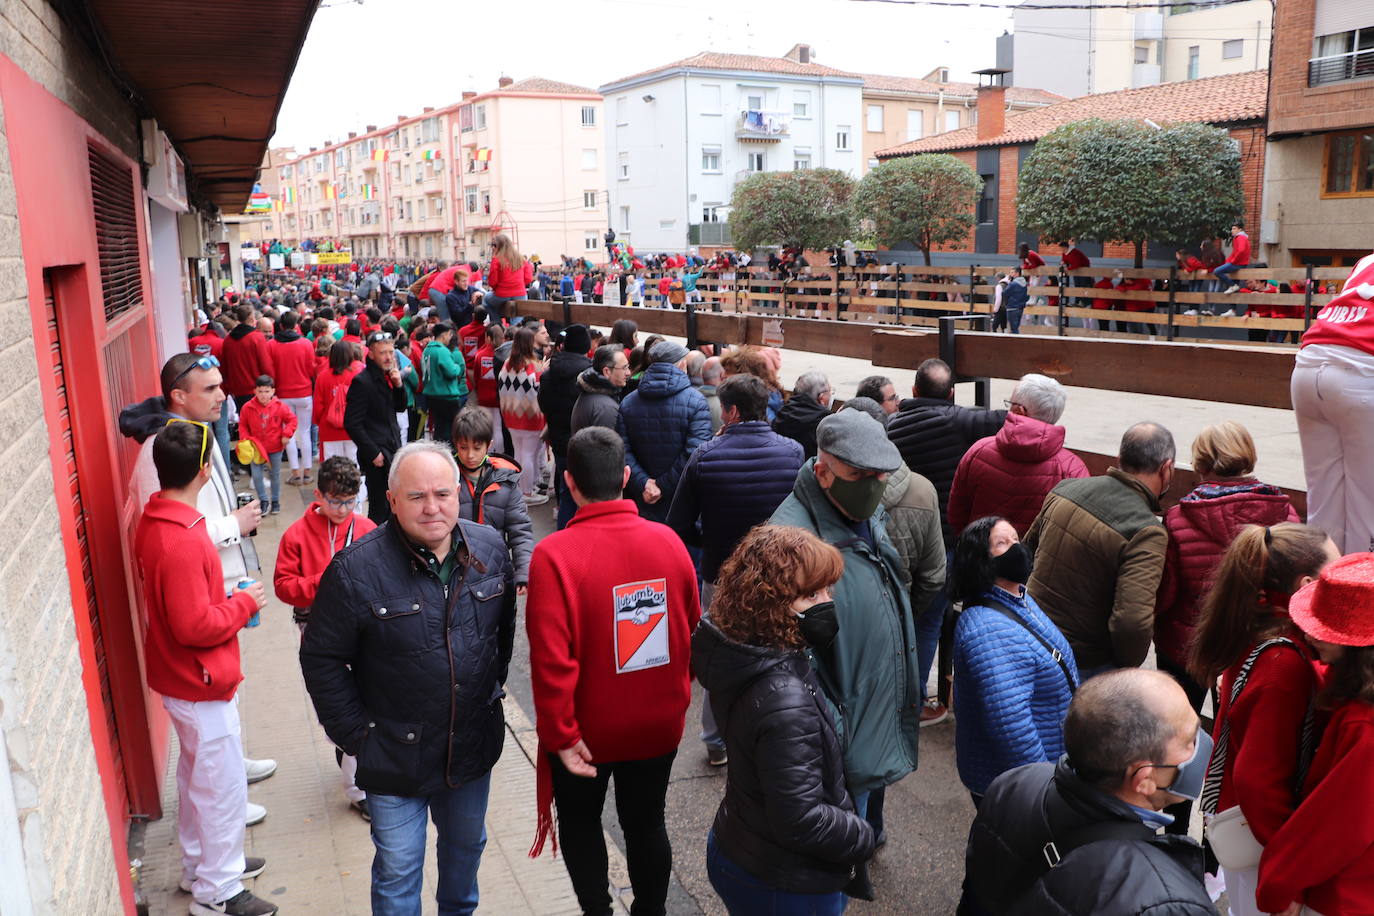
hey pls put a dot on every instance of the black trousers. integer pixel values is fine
(641, 787)
(378, 509)
(442, 412)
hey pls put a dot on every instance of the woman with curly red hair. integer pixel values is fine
(786, 838)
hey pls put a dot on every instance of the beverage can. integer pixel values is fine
(257, 615)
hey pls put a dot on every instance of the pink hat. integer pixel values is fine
(1339, 607)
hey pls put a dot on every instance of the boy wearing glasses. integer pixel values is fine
(306, 548)
(192, 653)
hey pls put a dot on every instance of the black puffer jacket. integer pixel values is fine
(558, 393)
(786, 818)
(420, 707)
(598, 402)
(495, 500)
(1118, 867)
(798, 420)
(370, 414)
(933, 435)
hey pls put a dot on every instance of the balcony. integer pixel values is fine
(709, 234)
(1336, 68)
(765, 126)
(1144, 75)
(1148, 26)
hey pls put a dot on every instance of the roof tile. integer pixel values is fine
(882, 83)
(539, 84)
(711, 60)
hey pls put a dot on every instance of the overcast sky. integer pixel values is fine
(368, 62)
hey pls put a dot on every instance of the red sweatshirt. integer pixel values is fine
(206, 343)
(1240, 250)
(245, 356)
(305, 549)
(327, 387)
(268, 424)
(192, 646)
(1324, 854)
(471, 337)
(507, 283)
(1348, 319)
(488, 386)
(294, 360)
(1074, 259)
(612, 604)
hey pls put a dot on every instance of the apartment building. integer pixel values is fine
(684, 134)
(525, 158)
(1319, 174)
(1089, 50)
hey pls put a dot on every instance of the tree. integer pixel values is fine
(1131, 181)
(927, 200)
(807, 208)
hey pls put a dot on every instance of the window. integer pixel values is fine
(842, 137)
(754, 101)
(756, 161)
(1342, 56)
(420, 172)
(622, 170)
(410, 210)
(942, 75)
(667, 223)
(465, 119)
(590, 241)
(589, 160)
(710, 100)
(801, 161)
(486, 201)
(622, 107)
(396, 171)
(801, 103)
(710, 159)
(952, 120)
(438, 204)
(1142, 54)
(588, 115)
(400, 208)
(285, 172)
(479, 117)
(1233, 49)
(624, 219)
(1349, 165)
(987, 204)
(710, 213)
(338, 158)
(470, 198)
(588, 200)
(915, 123)
(429, 246)
(1193, 64)
(405, 138)
(875, 119)
(407, 174)
(429, 130)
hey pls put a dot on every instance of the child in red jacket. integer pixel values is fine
(192, 657)
(269, 424)
(307, 546)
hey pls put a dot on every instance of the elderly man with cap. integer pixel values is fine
(558, 393)
(869, 671)
(662, 422)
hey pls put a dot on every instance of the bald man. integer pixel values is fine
(1047, 835)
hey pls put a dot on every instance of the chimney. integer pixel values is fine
(371, 128)
(504, 81)
(992, 103)
(803, 54)
(401, 117)
(352, 134)
(428, 109)
(313, 148)
(469, 95)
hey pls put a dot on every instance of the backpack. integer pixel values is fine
(338, 404)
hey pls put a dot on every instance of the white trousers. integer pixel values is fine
(348, 449)
(1241, 885)
(403, 421)
(212, 796)
(498, 439)
(298, 449)
(1335, 411)
(527, 445)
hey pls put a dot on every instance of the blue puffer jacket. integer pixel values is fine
(1011, 694)
(732, 483)
(663, 422)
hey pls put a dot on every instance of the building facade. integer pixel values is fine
(679, 138)
(1075, 52)
(1319, 175)
(526, 158)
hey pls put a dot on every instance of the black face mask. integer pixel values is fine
(818, 624)
(1014, 564)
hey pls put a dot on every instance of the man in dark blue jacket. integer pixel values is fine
(732, 483)
(662, 422)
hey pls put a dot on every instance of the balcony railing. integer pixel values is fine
(709, 234)
(1352, 65)
(755, 124)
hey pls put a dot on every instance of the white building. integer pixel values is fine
(681, 136)
(1086, 51)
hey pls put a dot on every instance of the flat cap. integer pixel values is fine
(868, 406)
(858, 440)
(667, 351)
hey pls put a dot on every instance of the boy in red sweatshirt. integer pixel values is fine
(270, 424)
(611, 607)
(192, 654)
(306, 548)
(471, 337)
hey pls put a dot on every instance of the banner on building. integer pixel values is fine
(298, 259)
(379, 155)
(250, 253)
(482, 154)
(430, 154)
(335, 257)
(330, 191)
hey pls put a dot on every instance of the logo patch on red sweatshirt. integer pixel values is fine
(641, 625)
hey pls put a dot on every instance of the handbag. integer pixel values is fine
(1233, 842)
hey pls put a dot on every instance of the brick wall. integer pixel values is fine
(68, 856)
(1293, 106)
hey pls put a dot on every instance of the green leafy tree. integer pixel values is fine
(928, 200)
(1130, 181)
(808, 208)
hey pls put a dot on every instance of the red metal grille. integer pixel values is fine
(116, 228)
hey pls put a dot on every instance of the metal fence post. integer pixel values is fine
(1173, 288)
(1062, 277)
(692, 342)
(972, 286)
(1307, 301)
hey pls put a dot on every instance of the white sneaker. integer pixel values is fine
(256, 815)
(252, 867)
(258, 770)
(536, 499)
(1233, 288)
(1190, 311)
(1229, 313)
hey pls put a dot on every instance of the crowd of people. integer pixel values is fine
(799, 559)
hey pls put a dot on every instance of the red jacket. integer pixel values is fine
(1074, 259)
(192, 647)
(1348, 319)
(1032, 260)
(443, 280)
(1324, 854)
(488, 385)
(294, 359)
(268, 424)
(507, 283)
(1240, 250)
(1011, 473)
(1104, 283)
(305, 549)
(206, 343)
(1201, 527)
(1142, 284)
(244, 358)
(471, 337)
(326, 384)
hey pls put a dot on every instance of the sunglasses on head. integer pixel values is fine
(204, 363)
(378, 337)
(204, 430)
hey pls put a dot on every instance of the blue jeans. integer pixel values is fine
(439, 302)
(1014, 319)
(567, 508)
(273, 467)
(710, 731)
(742, 893)
(399, 833)
(221, 427)
(1223, 272)
(928, 627)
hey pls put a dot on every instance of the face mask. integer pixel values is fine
(1014, 564)
(1192, 772)
(858, 499)
(818, 624)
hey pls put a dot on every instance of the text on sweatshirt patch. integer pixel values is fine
(641, 625)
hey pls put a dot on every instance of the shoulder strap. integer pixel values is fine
(996, 604)
(1056, 851)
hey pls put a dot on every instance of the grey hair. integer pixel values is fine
(1042, 397)
(1145, 447)
(811, 384)
(695, 361)
(1115, 720)
(419, 447)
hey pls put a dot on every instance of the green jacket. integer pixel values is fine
(870, 673)
(444, 375)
